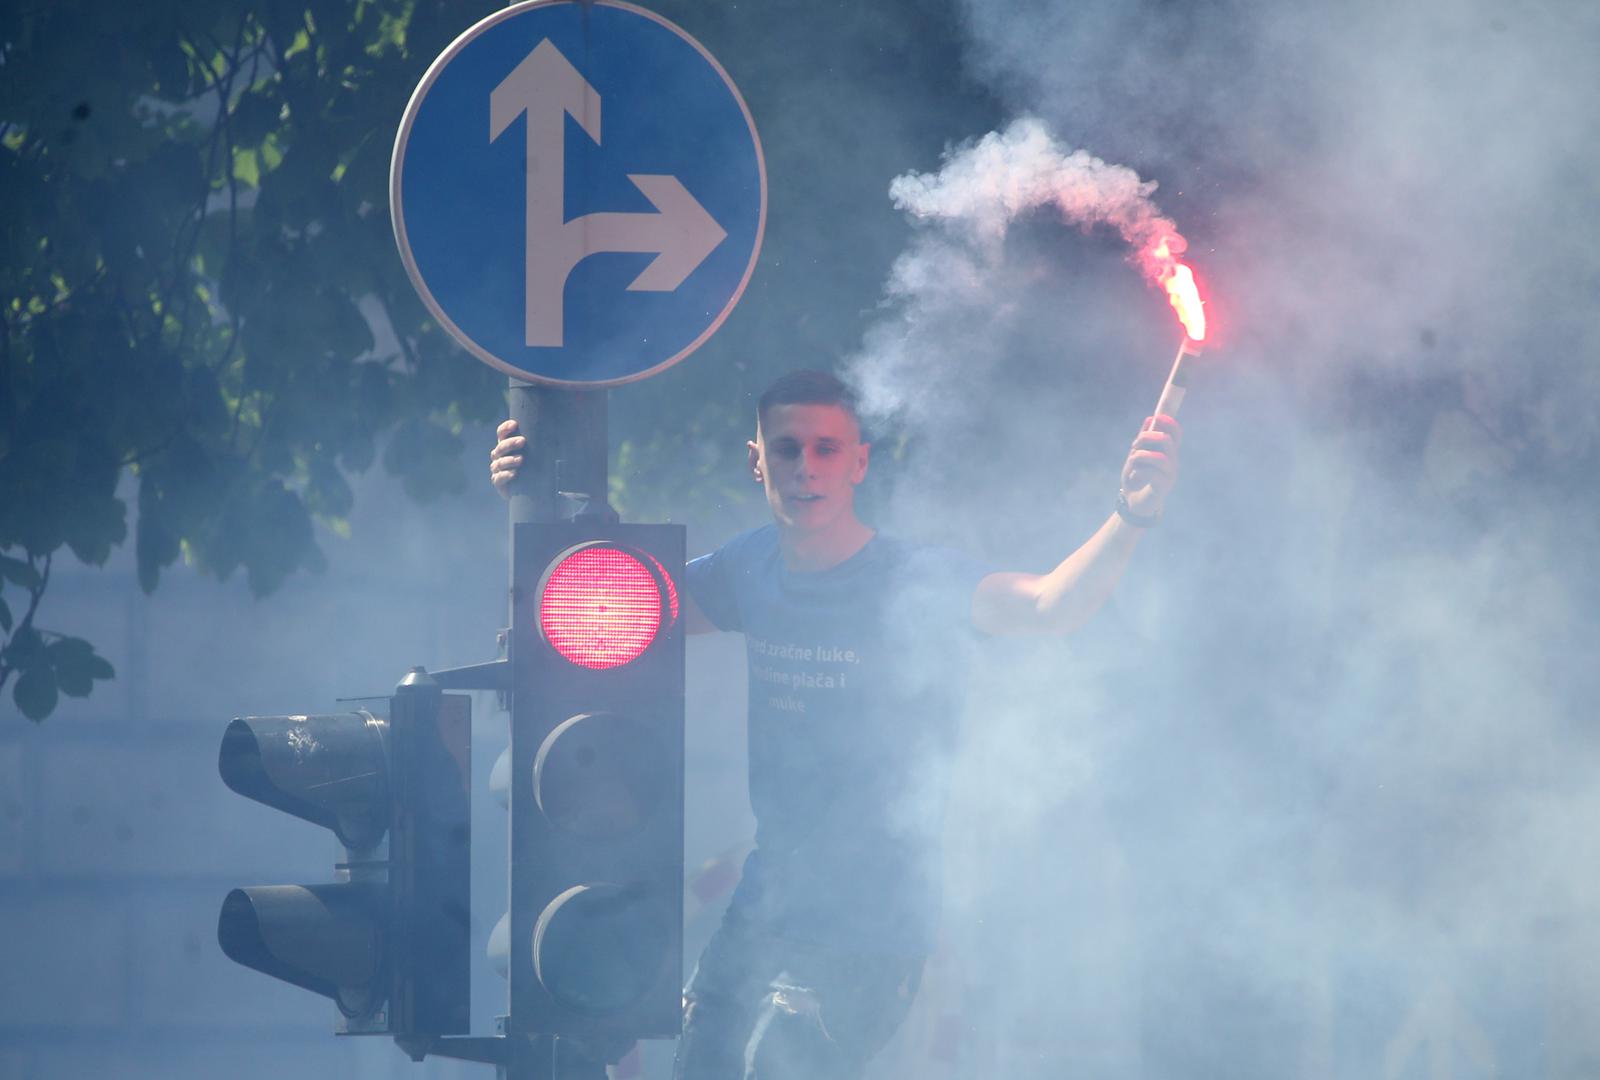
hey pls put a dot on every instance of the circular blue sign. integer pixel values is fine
(578, 192)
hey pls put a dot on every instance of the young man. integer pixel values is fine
(858, 646)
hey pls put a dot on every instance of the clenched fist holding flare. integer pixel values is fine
(1150, 471)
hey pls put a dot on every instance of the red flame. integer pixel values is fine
(1161, 263)
(1185, 300)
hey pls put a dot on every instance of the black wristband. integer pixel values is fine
(1125, 512)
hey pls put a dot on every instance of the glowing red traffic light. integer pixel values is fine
(601, 606)
(593, 940)
(672, 590)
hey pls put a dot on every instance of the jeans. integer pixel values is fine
(762, 1007)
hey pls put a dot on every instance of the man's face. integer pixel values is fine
(810, 459)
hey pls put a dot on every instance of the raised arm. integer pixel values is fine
(1068, 596)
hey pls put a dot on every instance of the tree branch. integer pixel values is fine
(35, 594)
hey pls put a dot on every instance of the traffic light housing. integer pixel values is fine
(388, 939)
(596, 789)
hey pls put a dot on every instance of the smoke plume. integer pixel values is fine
(1307, 798)
(986, 185)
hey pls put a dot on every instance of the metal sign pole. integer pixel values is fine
(564, 475)
(563, 471)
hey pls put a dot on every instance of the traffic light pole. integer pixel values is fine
(563, 474)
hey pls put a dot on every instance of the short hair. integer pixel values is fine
(809, 387)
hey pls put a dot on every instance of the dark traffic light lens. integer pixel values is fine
(331, 769)
(326, 938)
(599, 775)
(600, 606)
(599, 948)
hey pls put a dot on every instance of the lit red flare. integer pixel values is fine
(1184, 296)
(1161, 263)
(1185, 300)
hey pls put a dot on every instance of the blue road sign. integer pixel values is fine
(578, 192)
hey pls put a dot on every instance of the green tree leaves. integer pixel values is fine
(194, 258)
(64, 665)
(45, 665)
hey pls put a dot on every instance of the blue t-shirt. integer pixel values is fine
(857, 675)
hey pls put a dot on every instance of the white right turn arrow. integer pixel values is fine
(546, 87)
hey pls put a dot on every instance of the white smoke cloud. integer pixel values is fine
(1320, 775)
(1365, 176)
(986, 185)
(967, 209)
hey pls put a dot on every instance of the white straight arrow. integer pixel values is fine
(1439, 1025)
(679, 232)
(547, 88)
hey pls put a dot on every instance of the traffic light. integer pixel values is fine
(387, 940)
(596, 780)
